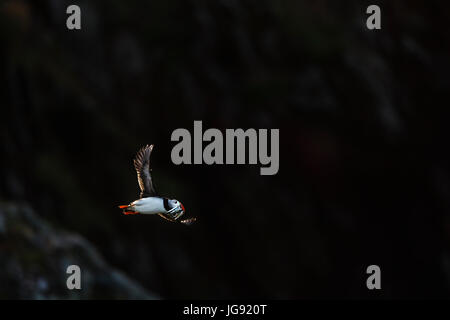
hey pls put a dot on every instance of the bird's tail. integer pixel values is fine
(127, 209)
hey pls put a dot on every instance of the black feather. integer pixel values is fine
(142, 166)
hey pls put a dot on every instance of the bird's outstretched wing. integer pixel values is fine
(166, 216)
(142, 166)
(187, 222)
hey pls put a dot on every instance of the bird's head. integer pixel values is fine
(176, 209)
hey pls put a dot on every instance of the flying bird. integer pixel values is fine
(150, 202)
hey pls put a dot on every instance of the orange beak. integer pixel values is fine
(182, 207)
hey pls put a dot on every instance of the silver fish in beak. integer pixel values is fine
(176, 212)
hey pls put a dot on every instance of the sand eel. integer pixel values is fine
(150, 202)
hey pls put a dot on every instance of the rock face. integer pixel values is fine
(35, 256)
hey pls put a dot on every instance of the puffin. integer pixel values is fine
(150, 202)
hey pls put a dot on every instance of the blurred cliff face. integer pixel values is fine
(364, 176)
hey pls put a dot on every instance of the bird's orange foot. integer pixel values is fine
(130, 212)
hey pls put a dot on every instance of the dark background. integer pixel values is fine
(363, 117)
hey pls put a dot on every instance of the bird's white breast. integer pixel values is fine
(150, 205)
